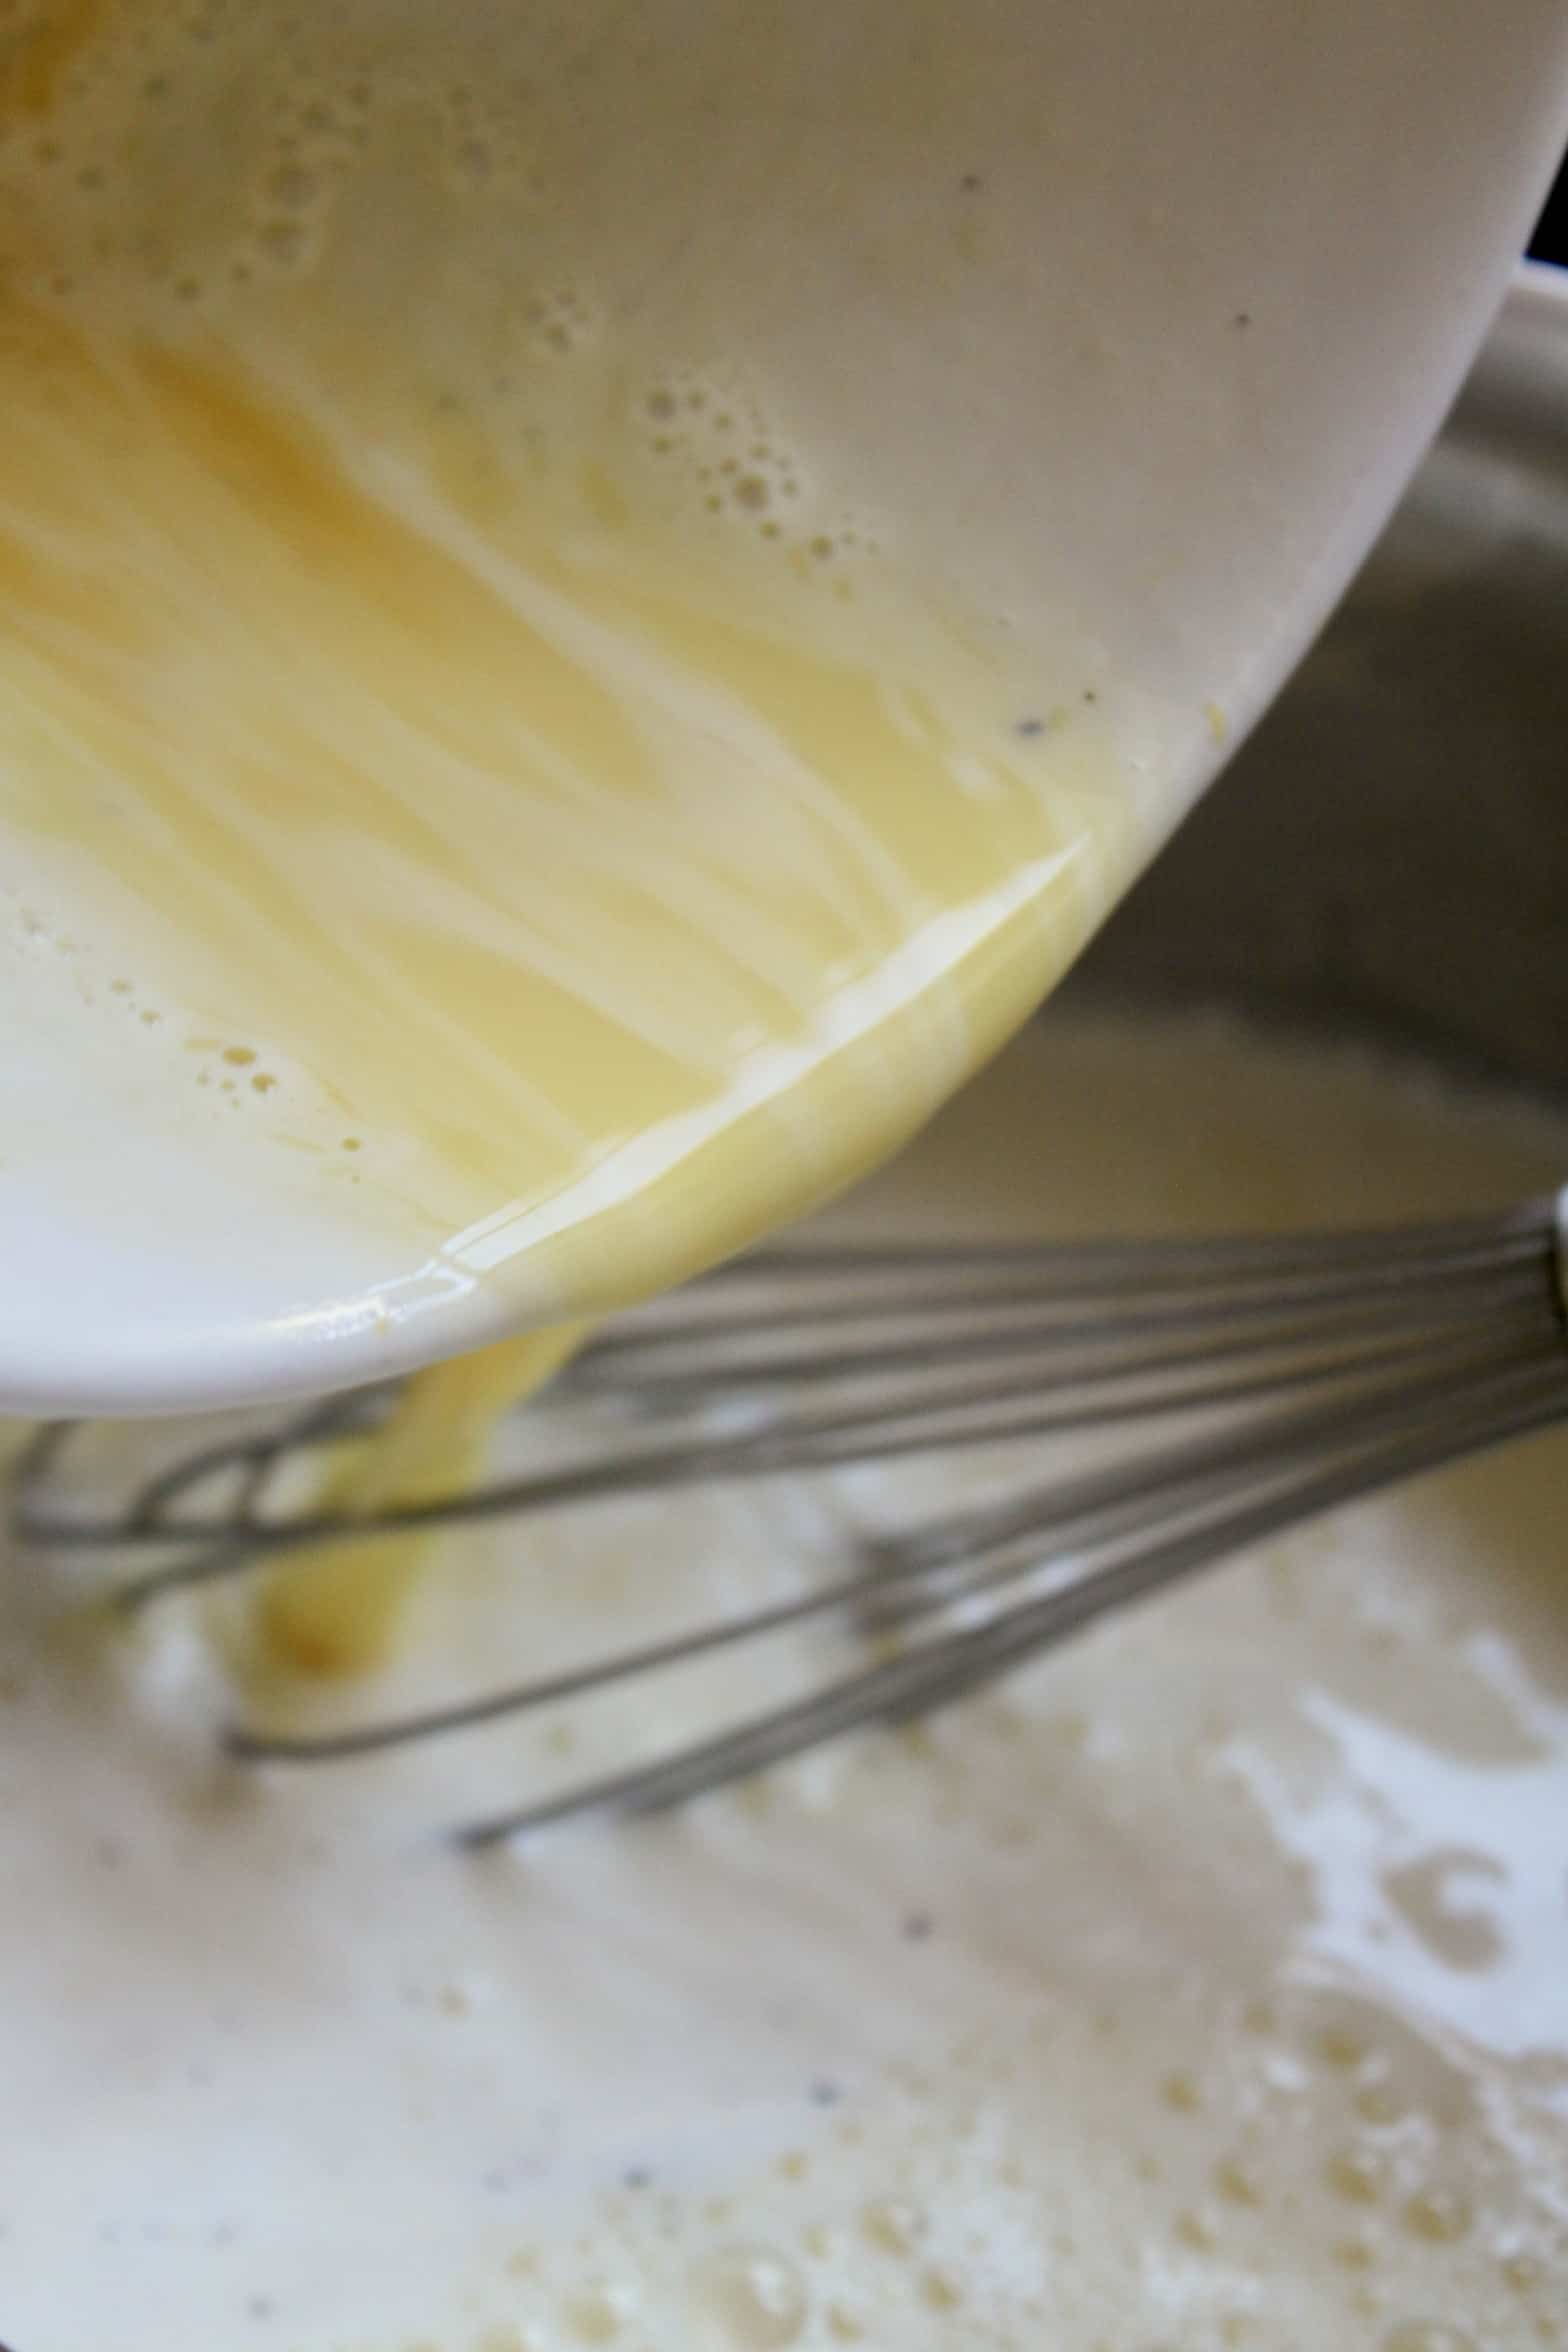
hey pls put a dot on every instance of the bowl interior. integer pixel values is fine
(1136, 319)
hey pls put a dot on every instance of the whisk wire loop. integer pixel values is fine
(1246, 1383)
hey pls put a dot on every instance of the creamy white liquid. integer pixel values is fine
(1204, 1986)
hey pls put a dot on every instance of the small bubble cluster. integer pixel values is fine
(230, 1073)
(718, 440)
(560, 321)
(297, 105)
(917, 2261)
(345, 164)
(480, 147)
(232, 1070)
(319, 130)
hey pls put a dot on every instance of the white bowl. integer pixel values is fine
(1239, 254)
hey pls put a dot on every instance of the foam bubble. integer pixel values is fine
(756, 2297)
(595, 2316)
(1438, 2214)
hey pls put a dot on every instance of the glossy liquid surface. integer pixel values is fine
(469, 776)
(1201, 1986)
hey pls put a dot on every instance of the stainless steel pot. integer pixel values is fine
(1389, 851)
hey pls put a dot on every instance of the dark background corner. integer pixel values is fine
(1550, 242)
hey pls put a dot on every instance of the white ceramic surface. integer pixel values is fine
(1239, 255)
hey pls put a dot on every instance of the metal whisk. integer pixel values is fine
(1248, 1384)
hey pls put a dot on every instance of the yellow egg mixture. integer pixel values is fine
(458, 732)
(445, 718)
(436, 684)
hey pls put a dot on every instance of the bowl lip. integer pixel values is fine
(1517, 340)
(1539, 288)
(1524, 357)
(1485, 503)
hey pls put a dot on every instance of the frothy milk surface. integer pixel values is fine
(1203, 1986)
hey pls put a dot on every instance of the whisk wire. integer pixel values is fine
(936, 1674)
(903, 1578)
(1296, 1372)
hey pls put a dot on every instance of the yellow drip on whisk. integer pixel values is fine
(336, 1610)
